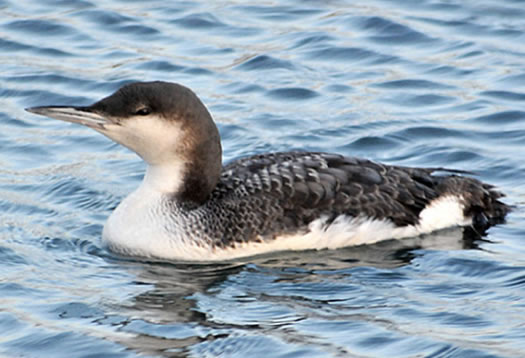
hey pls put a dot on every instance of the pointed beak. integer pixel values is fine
(80, 115)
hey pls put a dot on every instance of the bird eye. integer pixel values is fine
(144, 111)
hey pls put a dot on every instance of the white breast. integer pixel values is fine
(134, 227)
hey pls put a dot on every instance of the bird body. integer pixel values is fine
(190, 207)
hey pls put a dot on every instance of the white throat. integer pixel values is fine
(165, 178)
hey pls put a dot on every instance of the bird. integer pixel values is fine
(191, 207)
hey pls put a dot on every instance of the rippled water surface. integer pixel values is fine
(428, 83)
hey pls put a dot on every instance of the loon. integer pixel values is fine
(190, 207)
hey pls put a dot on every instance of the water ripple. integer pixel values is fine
(387, 32)
(265, 62)
(203, 21)
(41, 28)
(292, 94)
(351, 54)
(413, 84)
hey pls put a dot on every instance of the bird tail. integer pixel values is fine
(481, 200)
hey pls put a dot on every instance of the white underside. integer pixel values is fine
(134, 229)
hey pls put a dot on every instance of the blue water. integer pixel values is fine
(428, 83)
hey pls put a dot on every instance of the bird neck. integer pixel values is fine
(189, 177)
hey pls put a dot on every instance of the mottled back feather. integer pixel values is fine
(272, 194)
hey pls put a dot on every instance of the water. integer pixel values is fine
(429, 83)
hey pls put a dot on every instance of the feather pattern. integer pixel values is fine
(262, 197)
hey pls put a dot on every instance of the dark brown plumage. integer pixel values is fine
(277, 193)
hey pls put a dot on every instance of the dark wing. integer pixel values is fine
(263, 196)
(307, 185)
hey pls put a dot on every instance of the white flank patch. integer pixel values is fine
(443, 212)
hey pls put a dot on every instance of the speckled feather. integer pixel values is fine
(261, 197)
